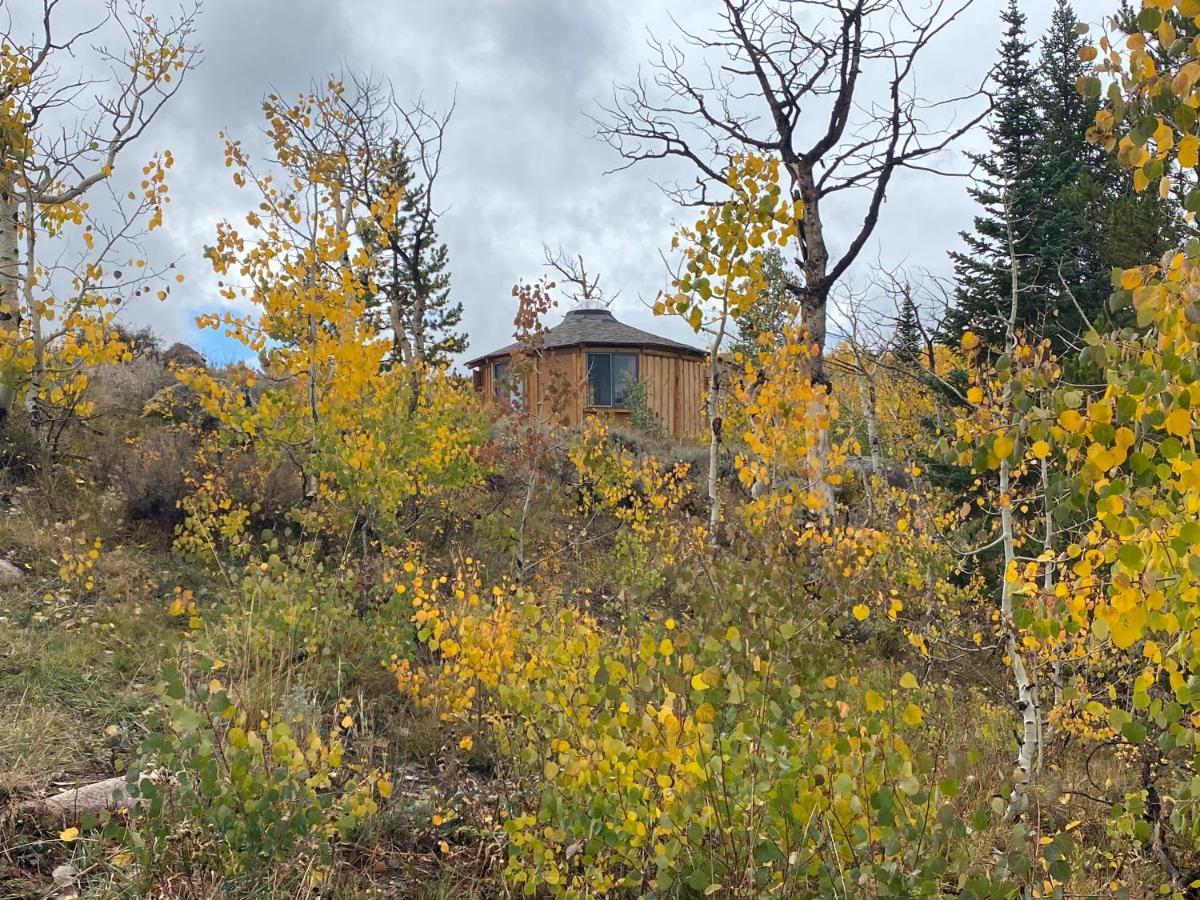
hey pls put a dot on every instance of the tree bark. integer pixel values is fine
(714, 426)
(10, 284)
(1028, 704)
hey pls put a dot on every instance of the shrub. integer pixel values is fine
(256, 806)
(687, 763)
(151, 472)
(641, 416)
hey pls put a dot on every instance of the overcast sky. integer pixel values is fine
(521, 166)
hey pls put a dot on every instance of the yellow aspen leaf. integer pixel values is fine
(466, 743)
(908, 681)
(861, 611)
(1152, 652)
(830, 682)
(1071, 420)
(1131, 278)
(1189, 151)
(1126, 629)
(1179, 422)
(874, 701)
(1164, 137)
(975, 395)
(1040, 449)
(698, 683)
(69, 834)
(1003, 446)
(970, 340)
(912, 715)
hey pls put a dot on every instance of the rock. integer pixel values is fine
(181, 356)
(9, 573)
(65, 878)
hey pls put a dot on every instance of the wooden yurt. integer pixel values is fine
(583, 366)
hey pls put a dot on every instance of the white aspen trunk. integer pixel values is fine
(37, 374)
(1048, 586)
(1026, 687)
(866, 389)
(872, 442)
(714, 426)
(1027, 693)
(10, 280)
(311, 483)
(818, 457)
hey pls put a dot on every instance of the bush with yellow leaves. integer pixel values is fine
(679, 760)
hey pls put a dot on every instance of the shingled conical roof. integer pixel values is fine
(596, 328)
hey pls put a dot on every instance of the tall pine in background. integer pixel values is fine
(1073, 213)
(412, 278)
(1076, 181)
(1005, 190)
(906, 341)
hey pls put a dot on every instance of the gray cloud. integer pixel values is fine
(521, 166)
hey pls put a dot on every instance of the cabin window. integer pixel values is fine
(509, 391)
(609, 375)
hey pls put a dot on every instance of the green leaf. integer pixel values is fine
(1134, 732)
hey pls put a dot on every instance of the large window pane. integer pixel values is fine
(509, 391)
(624, 373)
(600, 379)
(500, 380)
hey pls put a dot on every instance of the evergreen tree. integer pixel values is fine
(1006, 192)
(906, 342)
(1074, 179)
(774, 309)
(1073, 212)
(411, 274)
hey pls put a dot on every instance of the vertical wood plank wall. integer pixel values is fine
(675, 387)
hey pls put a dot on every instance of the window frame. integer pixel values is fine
(612, 387)
(507, 392)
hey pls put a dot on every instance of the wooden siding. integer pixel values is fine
(556, 388)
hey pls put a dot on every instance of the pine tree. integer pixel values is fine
(1073, 212)
(411, 274)
(906, 342)
(775, 308)
(1074, 178)
(1006, 192)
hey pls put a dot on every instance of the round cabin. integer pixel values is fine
(589, 364)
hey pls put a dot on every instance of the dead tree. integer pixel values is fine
(574, 281)
(827, 86)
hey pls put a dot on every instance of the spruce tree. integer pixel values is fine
(906, 341)
(1073, 211)
(412, 276)
(1005, 189)
(774, 309)
(1074, 180)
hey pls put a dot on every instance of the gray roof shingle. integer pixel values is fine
(596, 327)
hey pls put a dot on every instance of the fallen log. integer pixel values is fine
(73, 804)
